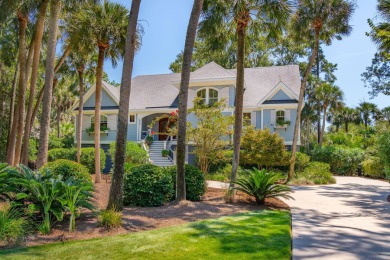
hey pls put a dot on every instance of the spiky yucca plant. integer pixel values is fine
(261, 185)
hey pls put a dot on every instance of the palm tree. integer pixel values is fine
(386, 114)
(116, 190)
(329, 96)
(317, 20)
(367, 112)
(183, 99)
(253, 17)
(40, 24)
(22, 9)
(380, 33)
(104, 25)
(55, 10)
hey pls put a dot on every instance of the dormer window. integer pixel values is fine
(209, 96)
(280, 116)
(103, 122)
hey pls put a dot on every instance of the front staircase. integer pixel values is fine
(155, 156)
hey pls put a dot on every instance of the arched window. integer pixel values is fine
(208, 95)
(103, 122)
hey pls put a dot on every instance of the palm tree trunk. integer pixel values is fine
(12, 106)
(40, 24)
(300, 103)
(346, 126)
(58, 118)
(115, 200)
(98, 101)
(241, 33)
(183, 99)
(40, 95)
(29, 59)
(80, 114)
(55, 9)
(16, 129)
(318, 122)
(323, 127)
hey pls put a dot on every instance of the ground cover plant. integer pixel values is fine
(253, 235)
(314, 173)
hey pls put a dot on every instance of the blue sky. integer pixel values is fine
(165, 23)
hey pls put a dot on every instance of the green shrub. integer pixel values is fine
(134, 153)
(32, 149)
(314, 173)
(110, 219)
(61, 153)
(343, 161)
(12, 225)
(301, 161)
(147, 186)
(263, 148)
(87, 159)
(68, 169)
(215, 177)
(261, 185)
(373, 167)
(195, 181)
(384, 151)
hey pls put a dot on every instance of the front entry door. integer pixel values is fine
(162, 128)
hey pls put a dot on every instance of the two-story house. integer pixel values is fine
(270, 101)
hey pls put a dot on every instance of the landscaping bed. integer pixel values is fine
(252, 235)
(137, 219)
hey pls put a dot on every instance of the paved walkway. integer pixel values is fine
(347, 220)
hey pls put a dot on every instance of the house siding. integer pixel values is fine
(107, 101)
(286, 134)
(258, 119)
(280, 95)
(232, 95)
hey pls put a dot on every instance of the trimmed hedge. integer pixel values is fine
(134, 153)
(315, 173)
(147, 186)
(62, 153)
(373, 167)
(343, 161)
(68, 169)
(195, 181)
(87, 156)
(87, 159)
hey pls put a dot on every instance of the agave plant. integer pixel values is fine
(261, 185)
(77, 194)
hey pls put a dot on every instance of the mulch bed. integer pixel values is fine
(137, 219)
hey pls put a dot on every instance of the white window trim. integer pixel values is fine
(135, 119)
(208, 94)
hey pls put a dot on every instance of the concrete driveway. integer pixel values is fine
(347, 220)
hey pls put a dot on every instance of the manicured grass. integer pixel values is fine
(253, 235)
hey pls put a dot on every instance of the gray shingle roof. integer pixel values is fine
(158, 91)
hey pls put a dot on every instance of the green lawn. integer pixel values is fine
(253, 235)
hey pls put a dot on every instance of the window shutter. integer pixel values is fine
(111, 122)
(273, 117)
(287, 115)
(86, 122)
(253, 118)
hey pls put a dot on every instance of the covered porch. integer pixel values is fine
(156, 129)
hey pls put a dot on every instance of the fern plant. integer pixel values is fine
(261, 185)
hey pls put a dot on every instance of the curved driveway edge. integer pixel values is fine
(347, 220)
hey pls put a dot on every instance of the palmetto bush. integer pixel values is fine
(261, 185)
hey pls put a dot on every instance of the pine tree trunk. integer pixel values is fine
(55, 9)
(98, 103)
(300, 104)
(115, 200)
(40, 24)
(241, 33)
(40, 95)
(183, 99)
(80, 114)
(16, 128)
